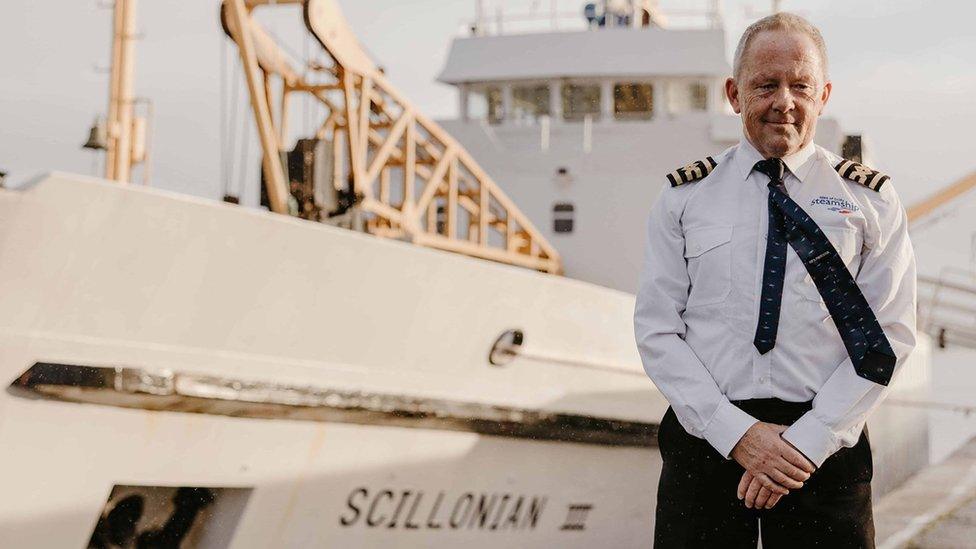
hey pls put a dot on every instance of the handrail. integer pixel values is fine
(948, 285)
(936, 312)
(557, 17)
(929, 404)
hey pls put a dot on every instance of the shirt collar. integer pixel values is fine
(799, 163)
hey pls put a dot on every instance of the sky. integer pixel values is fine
(904, 74)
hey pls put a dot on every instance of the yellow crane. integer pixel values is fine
(403, 176)
(409, 178)
(940, 198)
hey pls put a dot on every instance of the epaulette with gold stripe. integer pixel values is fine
(862, 174)
(692, 172)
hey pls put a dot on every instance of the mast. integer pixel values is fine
(118, 159)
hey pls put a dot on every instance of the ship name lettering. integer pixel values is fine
(576, 516)
(406, 509)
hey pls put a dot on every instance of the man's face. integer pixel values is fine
(780, 92)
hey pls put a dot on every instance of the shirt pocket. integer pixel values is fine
(846, 241)
(708, 253)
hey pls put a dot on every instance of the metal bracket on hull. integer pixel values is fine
(509, 346)
(194, 393)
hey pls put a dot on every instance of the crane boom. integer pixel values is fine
(410, 178)
(941, 197)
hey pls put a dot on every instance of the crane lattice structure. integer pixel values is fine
(411, 180)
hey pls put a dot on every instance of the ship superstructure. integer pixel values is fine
(581, 120)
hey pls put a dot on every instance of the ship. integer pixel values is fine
(422, 339)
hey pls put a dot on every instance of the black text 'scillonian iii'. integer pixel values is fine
(776, 303)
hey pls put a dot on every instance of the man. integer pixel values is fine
(776, 301)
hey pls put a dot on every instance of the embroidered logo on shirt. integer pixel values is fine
(835, 204)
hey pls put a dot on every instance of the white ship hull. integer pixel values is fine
(311, 484)
(331, 388)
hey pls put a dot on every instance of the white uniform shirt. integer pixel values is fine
(698, 301)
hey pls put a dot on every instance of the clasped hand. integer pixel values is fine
(773, 466)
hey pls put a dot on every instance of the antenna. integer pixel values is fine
(717, 17)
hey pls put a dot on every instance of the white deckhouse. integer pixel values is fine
(580, 121)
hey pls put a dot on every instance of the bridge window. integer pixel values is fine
(633, 101)
(852, 148)
(698, 96)
(580, 100)
(562, 217)
(496, 108)
(485, 103)
(530, 102)
(688, 96)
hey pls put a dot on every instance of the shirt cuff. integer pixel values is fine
(726, 427)
(812, 438)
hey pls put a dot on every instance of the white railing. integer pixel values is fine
(947, 307)
(498, 17)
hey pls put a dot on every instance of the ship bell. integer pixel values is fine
(96, 137)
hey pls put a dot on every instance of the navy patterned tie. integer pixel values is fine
(774, 266)
(865, 341)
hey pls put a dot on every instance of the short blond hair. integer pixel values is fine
(780, 21)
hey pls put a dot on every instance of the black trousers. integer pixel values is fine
(697, 505)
